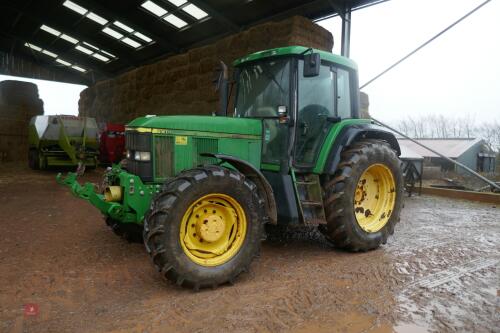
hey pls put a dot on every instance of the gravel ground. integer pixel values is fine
(438, 273)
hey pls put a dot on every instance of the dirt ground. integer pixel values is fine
(437, 274)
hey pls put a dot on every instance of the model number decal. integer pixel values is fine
(181, 140)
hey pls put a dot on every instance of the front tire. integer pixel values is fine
(131, 232)
(205, 227)
(363, 198)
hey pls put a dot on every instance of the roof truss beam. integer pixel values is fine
(63, 55)
(216, 15)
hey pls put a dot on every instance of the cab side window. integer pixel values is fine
(343, 94)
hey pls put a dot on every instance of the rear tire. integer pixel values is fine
(342, 189)
(189, 261)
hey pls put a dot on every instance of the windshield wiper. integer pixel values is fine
(271, 76)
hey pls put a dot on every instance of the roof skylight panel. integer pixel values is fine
(50, 30)
(100, 57)
(65, 63)
(195, 11)
(112, 33)
(132, 32)
(177, 2)
(109, 54)
(123, 34)
(33, 47)
(50, 54)
(69, 38)
(78, 68)
(84, 49)
(74, 7)
(131, 42)
(123, 26)
(93, 53)
(143, 37)
(85, 12)
(39, 49)
(57, 59)
(154, 8)
(59, 34)
(91, 46)
(175, 21)
(96, 18)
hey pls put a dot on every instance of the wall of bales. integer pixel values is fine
(19, 102)
(182, 84)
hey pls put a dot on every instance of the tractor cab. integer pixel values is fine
(299, 94)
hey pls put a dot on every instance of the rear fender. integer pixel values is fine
(354, 133)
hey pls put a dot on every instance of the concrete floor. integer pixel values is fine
(437, 274)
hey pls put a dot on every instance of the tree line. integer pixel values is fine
(440, 127)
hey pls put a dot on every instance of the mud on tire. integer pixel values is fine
(163, 222)
(342, 228)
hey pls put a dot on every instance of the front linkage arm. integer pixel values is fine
(87, 192)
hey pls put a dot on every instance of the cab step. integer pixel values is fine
(310, 199)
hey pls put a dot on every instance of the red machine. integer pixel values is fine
(112, 145)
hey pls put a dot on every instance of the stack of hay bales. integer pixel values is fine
(182, 84)
(19, 102)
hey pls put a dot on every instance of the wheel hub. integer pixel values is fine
(374, 198)
(211, 228)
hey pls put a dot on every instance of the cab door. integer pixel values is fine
(322, 102)
(315, 112)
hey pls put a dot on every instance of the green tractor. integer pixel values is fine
(294, 152)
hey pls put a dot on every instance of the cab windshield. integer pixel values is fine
(262, 87)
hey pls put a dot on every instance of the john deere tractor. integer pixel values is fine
(293, 152)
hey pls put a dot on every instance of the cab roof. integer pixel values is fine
(296, 51)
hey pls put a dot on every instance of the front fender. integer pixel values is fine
(254, 174)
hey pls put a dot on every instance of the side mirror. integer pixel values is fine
(312, 62)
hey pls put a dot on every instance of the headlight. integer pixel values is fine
(142, 156)
(129, 155)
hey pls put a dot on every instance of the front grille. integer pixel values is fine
(164, 156)
(135, 141)
(204, 145)
(138, 141)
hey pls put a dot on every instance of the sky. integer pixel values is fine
(58, 98)
(457, 75)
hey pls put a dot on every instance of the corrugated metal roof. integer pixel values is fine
(98, 39)
(409, 154)
(451, 148)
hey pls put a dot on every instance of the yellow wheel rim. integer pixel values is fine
(374, 198)
(213, 229)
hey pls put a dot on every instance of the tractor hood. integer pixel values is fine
(163, 124)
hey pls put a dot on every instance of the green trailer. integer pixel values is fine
(62, 140)
(294, 152)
